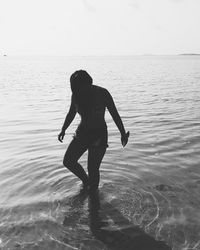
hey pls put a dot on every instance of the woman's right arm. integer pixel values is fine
(69, 118)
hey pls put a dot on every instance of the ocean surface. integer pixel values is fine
(149, 194)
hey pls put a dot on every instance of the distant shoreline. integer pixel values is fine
(189, 54)
(136, 55)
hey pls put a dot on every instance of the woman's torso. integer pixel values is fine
(95, 115)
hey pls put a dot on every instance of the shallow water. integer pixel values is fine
(149, 191)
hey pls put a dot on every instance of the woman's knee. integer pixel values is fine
(73, 153)
(68, 163)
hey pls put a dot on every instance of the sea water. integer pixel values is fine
(149, 191)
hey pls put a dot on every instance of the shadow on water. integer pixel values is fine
(131, 237)
(111, 228)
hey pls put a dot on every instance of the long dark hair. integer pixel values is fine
(80, 80)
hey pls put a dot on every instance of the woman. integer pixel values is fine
(90, 101)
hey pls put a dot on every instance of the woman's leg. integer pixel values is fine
(95, 156)
(70, 161)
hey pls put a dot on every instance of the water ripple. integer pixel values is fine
(149, 188)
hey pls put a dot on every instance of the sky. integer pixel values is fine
(99, 27)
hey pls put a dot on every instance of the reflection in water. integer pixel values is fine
(122, 234)
(77, 203)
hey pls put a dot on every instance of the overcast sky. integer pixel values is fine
(99, 27)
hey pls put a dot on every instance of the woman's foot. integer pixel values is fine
(93, 191)
(85, 186)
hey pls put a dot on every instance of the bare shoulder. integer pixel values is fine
(102, 92)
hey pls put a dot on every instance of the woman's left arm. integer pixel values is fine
(117, 119)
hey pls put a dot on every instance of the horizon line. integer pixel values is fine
(103, 55)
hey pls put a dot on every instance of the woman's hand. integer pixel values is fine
(61, 136)
(124, 138)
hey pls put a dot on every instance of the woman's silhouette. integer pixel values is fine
(90, 101)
